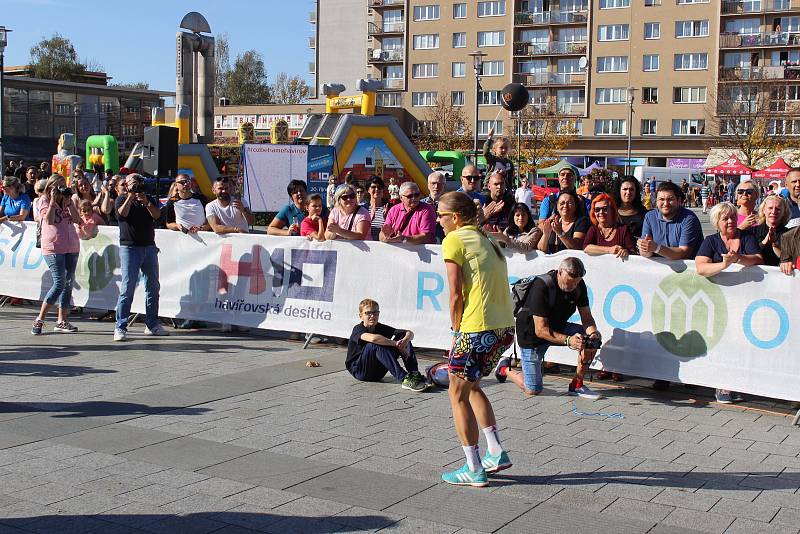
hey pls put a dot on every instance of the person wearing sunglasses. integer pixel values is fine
(347, 219)
(746, 198)
(410, 221)
(471, 184)
(607, 235)
(186, 210)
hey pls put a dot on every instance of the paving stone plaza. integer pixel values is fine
(209, 432)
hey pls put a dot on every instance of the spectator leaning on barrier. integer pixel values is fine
(374, 349)
(746, 198)
(313, 225)
(288, 219)
(521, 233)
(60, 248)
(543, 322)
(790, 251)
(773, 214)
(792, 194)
(137, 214)
(377, 207)
(411, 221)
(436, 183)
(471, 184)
(630, 209)
(15, 205)
(347, 219)
(226, 214)
(524, 193)
(719, 251)
(185, 210)
(566, 228)
(607, 235)
(498, 205)
(87, 227)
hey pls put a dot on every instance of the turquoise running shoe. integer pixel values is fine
(465, 477)
(494, 463)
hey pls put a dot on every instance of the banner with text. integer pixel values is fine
(659, 319)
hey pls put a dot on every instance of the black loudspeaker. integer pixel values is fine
(514, 97)
(160, 151)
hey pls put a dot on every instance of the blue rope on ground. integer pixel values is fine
(612, 415)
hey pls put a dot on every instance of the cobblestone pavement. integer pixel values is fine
(209, 432)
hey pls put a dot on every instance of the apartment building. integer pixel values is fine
(655, 70)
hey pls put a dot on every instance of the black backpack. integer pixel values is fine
(523, 315)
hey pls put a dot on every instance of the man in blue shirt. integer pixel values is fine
(670, 231)
(471, 184)
(792, 193)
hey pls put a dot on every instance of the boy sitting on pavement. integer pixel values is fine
(374, 349)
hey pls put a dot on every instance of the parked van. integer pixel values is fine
(664, 174)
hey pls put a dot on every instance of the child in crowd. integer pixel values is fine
(374, 348)
(313, 225)
(394, 191)
(90, 220)
(495, 150)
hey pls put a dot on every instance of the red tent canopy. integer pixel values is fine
(731, 166)
(776, 171)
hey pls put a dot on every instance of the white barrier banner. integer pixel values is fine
(659, 319)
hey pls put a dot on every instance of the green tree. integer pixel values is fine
(247, 81)
(132, 85)
(289, 90)
(56, 59)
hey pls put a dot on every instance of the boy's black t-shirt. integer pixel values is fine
(538, 303)
(355, 346)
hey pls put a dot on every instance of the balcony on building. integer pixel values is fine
(748, 7)
(312, 67)
(532, 79)
(312, 43)
(312, 17)
(378, 4)
(554, 108)
(758, 40)
(547, 18)
(391, 84)
(386, 28)
(759, 73)
(384, 56)
(553, 48)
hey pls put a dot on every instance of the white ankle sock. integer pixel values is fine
(473, 457)
(493, 440)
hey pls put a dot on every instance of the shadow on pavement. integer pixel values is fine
(196, 522)
(34, 369)
(95, 408)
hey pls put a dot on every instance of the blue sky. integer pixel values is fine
(135, 41)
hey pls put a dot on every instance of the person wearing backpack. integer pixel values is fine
(543, 306)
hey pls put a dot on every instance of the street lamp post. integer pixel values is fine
(631, 91)
(477, 65)
(3, 42)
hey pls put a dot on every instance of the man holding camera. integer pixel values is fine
(137, 214)
(543, 321)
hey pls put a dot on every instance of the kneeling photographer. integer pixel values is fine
(542, 322)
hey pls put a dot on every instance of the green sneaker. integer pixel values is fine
(415, 382)
(494, 463)
(465, 477)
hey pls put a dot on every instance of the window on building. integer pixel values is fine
(612, 64)
(495, 8)
(493, 68)
(571, 6)
(489, 98)
(652, 30)
(459, 40)
(572, 35)
(688, 126)
(611, 95)
(423, 99)
(649, 95)
(613, 32)
(426, 41)
(390, 100)
(497, 38)
(423, 127)
(689, 95)
(691, 28)
(694, 61)
(485, 126)
(649, 3)
(614, 4)
(458, 69)
(459, 11)
(650, 62)
(425, 70)
(609, 126)
(649, 126)
(785, 96)
(457, 98)
(680, 2)
(783, 127)
(426, 12)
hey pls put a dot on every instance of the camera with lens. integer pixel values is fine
(591, 342)
(64, 190)
(137, 187)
